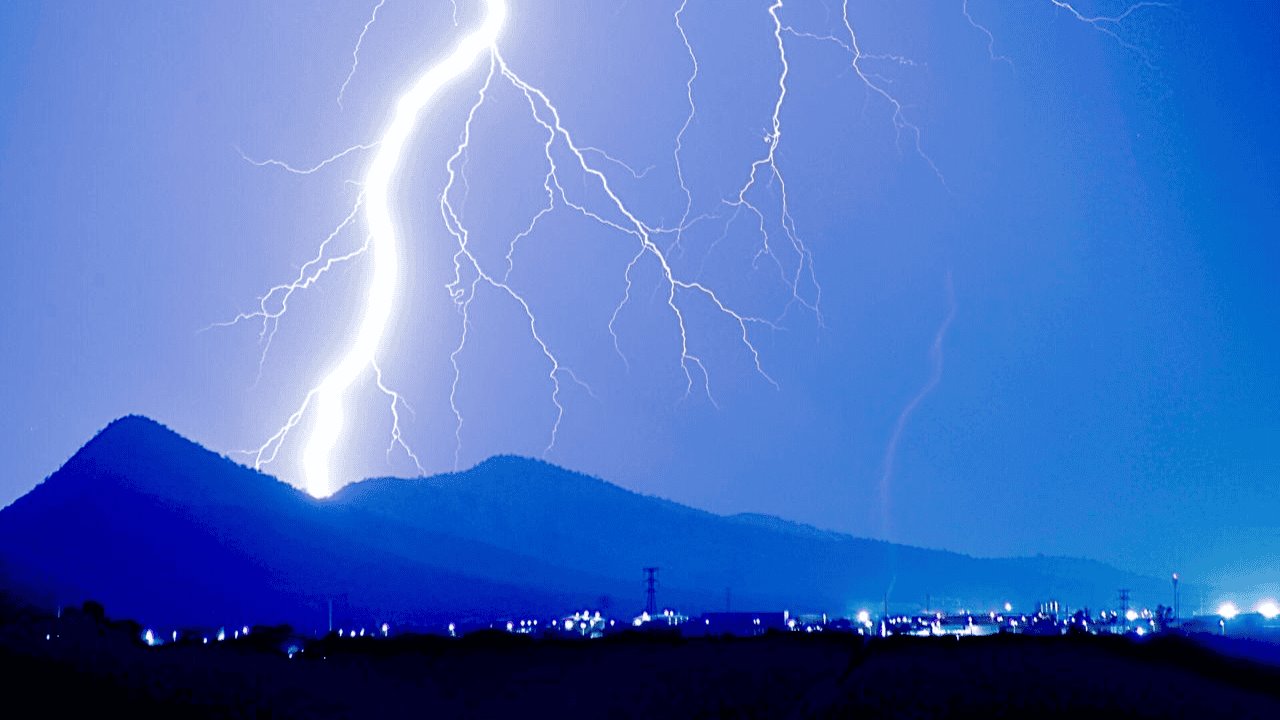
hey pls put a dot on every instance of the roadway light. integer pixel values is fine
(1228, 610)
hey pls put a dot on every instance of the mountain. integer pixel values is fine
(160, 529)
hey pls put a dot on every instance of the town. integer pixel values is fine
(1049, 618)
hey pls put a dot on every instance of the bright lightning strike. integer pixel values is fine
(328, 398)
(329, 395)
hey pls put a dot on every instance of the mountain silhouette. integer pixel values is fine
(163, 530)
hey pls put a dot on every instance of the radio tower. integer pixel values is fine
(651, 591)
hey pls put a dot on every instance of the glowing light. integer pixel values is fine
(1008, 607)
(1268, 609)
(864, 617)
(1131, 615)
(1228, 610)
(329, 395)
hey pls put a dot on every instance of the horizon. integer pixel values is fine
(489, 461)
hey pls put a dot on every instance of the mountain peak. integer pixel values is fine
(143, 455)
(133, 426)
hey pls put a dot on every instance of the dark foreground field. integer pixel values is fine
(96, 668)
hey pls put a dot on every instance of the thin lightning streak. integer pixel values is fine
(1107, 24)
(642, 232)
(307, 170)
(275, 302)
(991, 39)
(637, 174)
(463, 297)
(770, 160)
(873, 82)
(900, 122)
(886, 57)
(688, 120)
(935, 377)
(396, 402)
(355, 52)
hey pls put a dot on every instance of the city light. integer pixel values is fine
(1228, 610)
(1268, 609)
(864, 617)
(1131, 615)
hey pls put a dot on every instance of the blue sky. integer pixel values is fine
(1107, 216)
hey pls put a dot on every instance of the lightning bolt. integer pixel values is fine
(327, 399)
(763, 195)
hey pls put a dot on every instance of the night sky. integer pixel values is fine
(1101, 230)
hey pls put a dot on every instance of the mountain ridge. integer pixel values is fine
(145, 519)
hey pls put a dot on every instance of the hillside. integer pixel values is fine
(157, 527)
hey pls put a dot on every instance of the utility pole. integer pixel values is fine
(331, 616)
(1177, 599)
(1124, 602)
(651, 591)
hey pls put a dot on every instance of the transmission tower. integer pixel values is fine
(651, 591)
